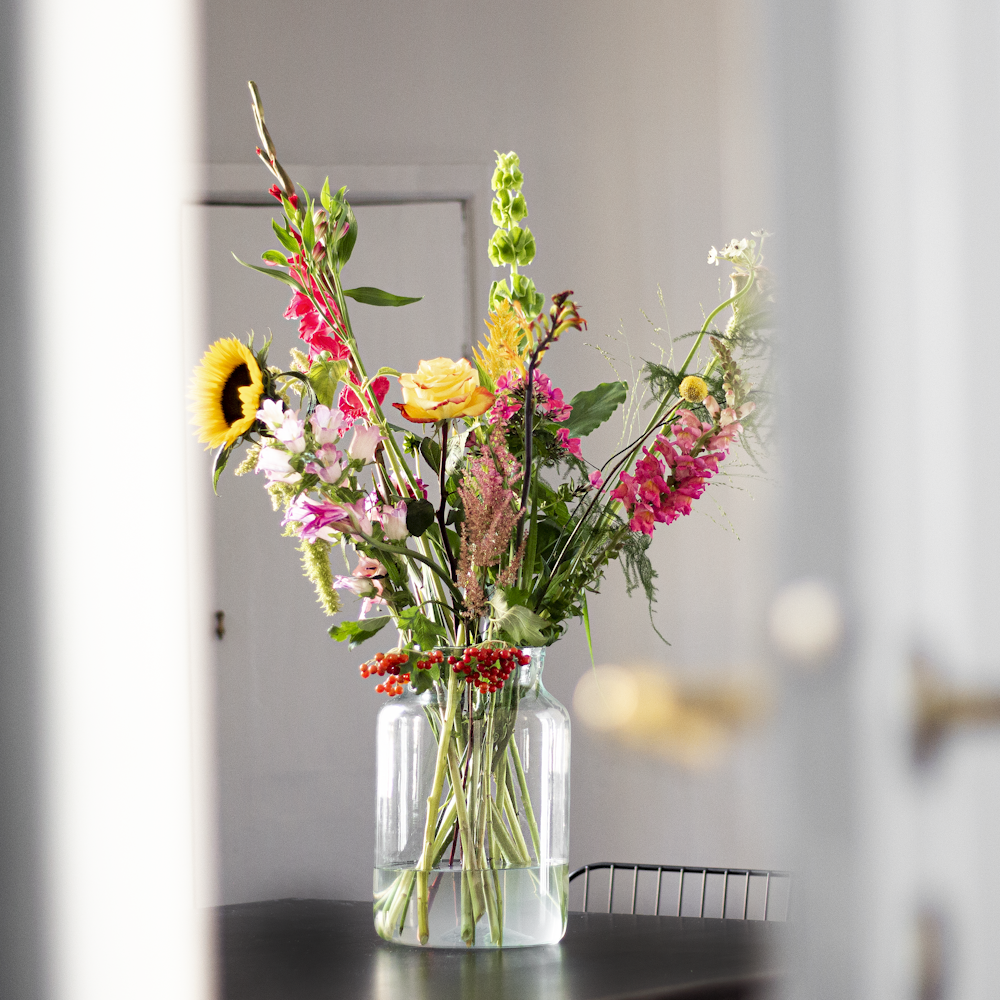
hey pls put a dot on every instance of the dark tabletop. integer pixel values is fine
(312, 949)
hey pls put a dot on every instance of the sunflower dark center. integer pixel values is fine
(232, 405)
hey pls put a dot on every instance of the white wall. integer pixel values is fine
(640, 131)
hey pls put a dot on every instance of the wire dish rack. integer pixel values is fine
(682, 891)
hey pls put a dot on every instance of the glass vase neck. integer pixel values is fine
(531, 672)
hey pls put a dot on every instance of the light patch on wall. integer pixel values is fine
(653, 710)
(806, 622)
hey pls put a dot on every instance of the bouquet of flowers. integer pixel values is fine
(477, 526)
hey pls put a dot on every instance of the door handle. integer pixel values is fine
(940, 709)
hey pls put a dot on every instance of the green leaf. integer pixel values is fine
(271, 272)
(324, 376)
(592, 407)
(423, 679)
(419, 516)
(287, 240)
(586, 625)
(357, 632)
(386, 370)
(345, 245)
(376, 297)
(456, 452)
(431, 451)
(324, 195)
(221, 457)
(425, 632)
(518, 624)
(275, 256)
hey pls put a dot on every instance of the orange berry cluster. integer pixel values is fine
(387, 665)
(487, 669)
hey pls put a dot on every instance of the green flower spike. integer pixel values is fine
(512, 245)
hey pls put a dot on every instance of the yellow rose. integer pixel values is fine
(441, 389)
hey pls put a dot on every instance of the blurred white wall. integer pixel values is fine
(98, 662)
(642, 134)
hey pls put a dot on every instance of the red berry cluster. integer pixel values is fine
(388, 664)
(487, 669)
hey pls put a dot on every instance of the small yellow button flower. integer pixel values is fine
(694, 389)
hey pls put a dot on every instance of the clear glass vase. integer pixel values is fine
(490, 867)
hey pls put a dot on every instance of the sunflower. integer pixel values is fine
(505, 344)
(226, 389)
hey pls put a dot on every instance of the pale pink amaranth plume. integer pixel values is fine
(490, 520)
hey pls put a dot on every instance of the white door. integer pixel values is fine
(890, 149)
(295, 723)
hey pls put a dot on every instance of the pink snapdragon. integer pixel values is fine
(596, 479)
(671, 476)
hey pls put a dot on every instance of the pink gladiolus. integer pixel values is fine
(315, 329)
(349, 402)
